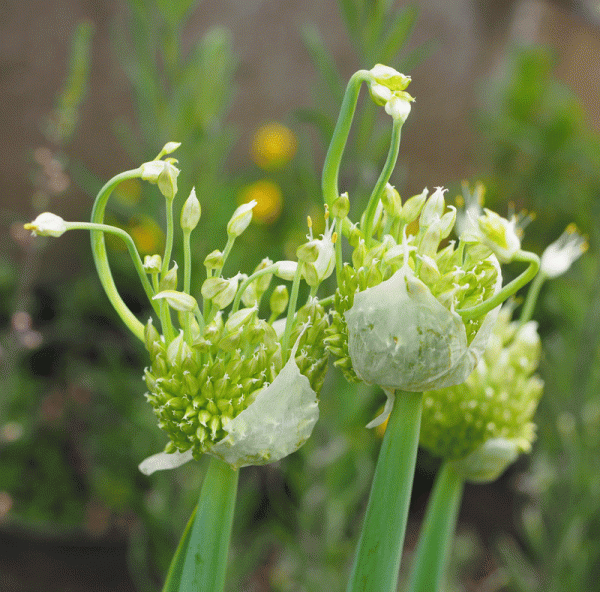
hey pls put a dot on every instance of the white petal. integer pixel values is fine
(389, 405)
(163, 461)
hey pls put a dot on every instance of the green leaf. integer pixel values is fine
(398, 33)
(173, 580)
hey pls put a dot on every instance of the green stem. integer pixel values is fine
(133, 252)
(238, 296)
(176, 568)
(384, 177)
(532, 296)
(206, 555)
(187, 262)
(480, 309)
(169, 238)
(379, 549)
(331, 167)
(433, 550)
(339, 261)
(285, 342)
(101, 257)
(226, 252)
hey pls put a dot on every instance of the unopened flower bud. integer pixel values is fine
(413, 206)
(220, 290)
(390, 77)
(286, 270)
(178, 300)
(241, 219)
(168, 148)
(341, 206)
(190, 213)
(163, 173)
(152, 263)
(279, 300)
(391, 201)
(433, 208)
(308, 252)
(398, 107)
(47, 224)
(169, 282)
(214, 260)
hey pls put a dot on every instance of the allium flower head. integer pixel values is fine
(395, 322)
(485, 422)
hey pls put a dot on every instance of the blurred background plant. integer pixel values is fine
(73, 423)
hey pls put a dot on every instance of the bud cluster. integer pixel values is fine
(497, 401)
(457, 276)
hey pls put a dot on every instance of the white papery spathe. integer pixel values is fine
(275, 424)
(400, 337)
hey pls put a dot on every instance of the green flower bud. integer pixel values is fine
(286, 270)
(341, 206)
(389, 77)
(433, 208)
(178, 300)
(214, 260)
(164, 174)
(47, 224)
(169, 281)
(413, 206)
(190, 213)
(220, 290)
(152, 263)
(241, 219)
(279, 300)
(391, 201)
(308, 252)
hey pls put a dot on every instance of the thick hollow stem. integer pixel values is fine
(433, 549)
(379, 549)
(206, 555)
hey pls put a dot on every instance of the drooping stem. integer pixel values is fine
(379, 549)
(480, 309)
(384, 177)
(331, 167)
(101, 257)
(133, 252)
(208, 544)
(435, 540)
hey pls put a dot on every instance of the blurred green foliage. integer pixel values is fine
(543, 155)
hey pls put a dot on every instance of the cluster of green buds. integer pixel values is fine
(221, 379)
(484, 423)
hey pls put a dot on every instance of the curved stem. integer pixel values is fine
(169, 238)
(532, 296)
(206, 554)
(238, 296)
(433, 549)
(379, 549)
(384, 177)
(101, 258)
(331, 167)
(133, 252)
(508, 290)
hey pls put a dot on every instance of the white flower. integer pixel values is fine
(560, 255)
(47, 224)
(500, 235)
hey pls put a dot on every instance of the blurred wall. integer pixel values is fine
(274, 77)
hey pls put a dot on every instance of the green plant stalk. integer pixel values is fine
(433, 549)
(133, 252)
(168, 238)
(532, 296)
(379, 549)
(176, 568)
(508, 290)
(384, 177)
(205, 561)
(331, 167)
(291, 312)
(101, 257)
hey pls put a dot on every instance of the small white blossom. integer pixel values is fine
(47, 224)
(563, 252)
